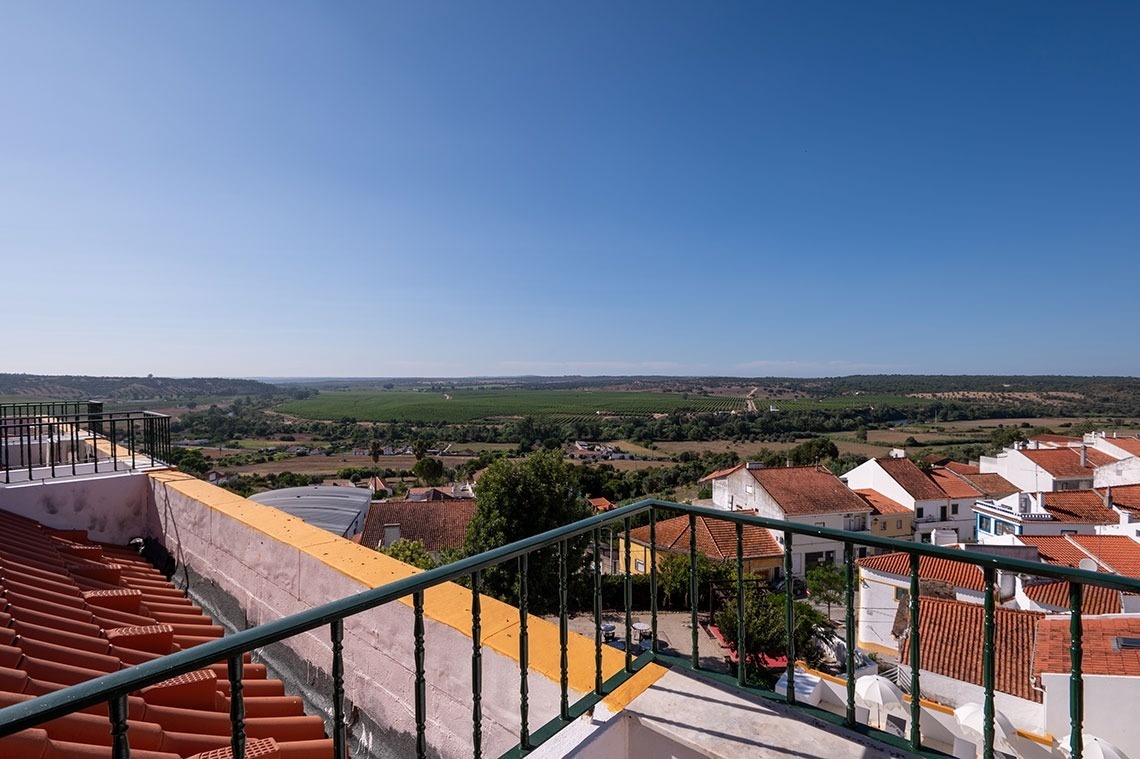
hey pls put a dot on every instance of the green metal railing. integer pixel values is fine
(114, 688)
(48, 440)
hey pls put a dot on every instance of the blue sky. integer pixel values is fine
(394, 189)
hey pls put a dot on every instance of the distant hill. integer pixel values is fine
(39, 387)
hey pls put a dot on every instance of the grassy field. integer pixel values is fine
(460, 406)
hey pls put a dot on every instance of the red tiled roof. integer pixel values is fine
(881, 505)
(959, 468)
(433, 494)
(1065, 463)
(1049, 437)
(956, 573)
(953, 485)
(716, 538)
(1099, 634)
(991, 485)
(1129, 444)
(943, 627)
(1126, 496)
(437, 525)
(1055, 549)
(806, 490)
(720, 473)
(1079, 506)
(72, 610)
(601, 504)
(1094, 598)
(1119, 553)
(912, 479)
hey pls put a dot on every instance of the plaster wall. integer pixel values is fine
(1104, 697)
(112, 508)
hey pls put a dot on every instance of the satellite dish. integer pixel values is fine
(1088, 565)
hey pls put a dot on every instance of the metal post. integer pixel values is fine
(118, 711)
(1076, 678)
(340, 729)
(849, 627)
(598, 685)
(563, 635)
(628, 605)
(789, 618)
(476, 669)
(524, 657)
(237, 706)
(696, 655)
(915, 662)
(421, 680)
(988, 630)
(653, 577)
(741, 648)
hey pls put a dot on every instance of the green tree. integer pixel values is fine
(826, 584)
(375, 449)
(516, 500)
(673, 574)
(764, 626)
(410, 552)
(430, 470)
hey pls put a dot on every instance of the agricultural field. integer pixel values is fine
(835, 402)
(460, 406)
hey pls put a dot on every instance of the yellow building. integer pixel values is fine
(888, 519)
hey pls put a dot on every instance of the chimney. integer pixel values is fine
(1084, 456)
(754, 465)
(1108, 497)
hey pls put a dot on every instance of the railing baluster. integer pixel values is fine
(340, 729)
(598, 685)
(741, 648)
(114, 447)
(563, 636)
(1076, 677)
(235, 669)
(118, 710)
(524, 657)
(476, 668)
(988, 631)
(653, 578)
(421, 681)
(696, 655)
(789, 618)
(915, 649)
(849, 627)
(628, 604)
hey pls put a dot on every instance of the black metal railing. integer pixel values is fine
(114, 688)
(41, 441)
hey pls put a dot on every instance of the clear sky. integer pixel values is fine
(425, 188)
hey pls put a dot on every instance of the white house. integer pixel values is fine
(806, 494)
(1042, 469)
(903, 482)
(1059, 512)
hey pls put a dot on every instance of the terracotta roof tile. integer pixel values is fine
(944, 625)
(957, 573)
(1049, 437)
(806, 490)
(601, 504)
(1129, 444)
(953, 485)
(1079, 506)
(959, 468)
(1056, 549)
(716, 538)
(991, 485)
(1099, 635)
(721, 473)
(1125, 496)
(1094, 598)
(439, 525)
(880, 504)
(912, 479)
(1118, 553)
(1065, 463)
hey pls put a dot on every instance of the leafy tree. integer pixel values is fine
(410, 552)
(826, 583)
(375, 449)
(764, 626)
(673, 574)
(430, 470)
(515, 501)
(419, 448)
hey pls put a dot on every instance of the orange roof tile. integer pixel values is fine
(1065, 463)
(953, 485)
(1056, 549)
(1119, 553)
(943, 625)
(1079, 506)
(1125, 496)
(912, 479)
(1129, 444)
(1049, 437)
(1101, 655)
(716, 538)
(601, 504)
(957, 573)
(438, 525)
(991, 485)
(959, 468)
(720, 473)
(1094, 598)
(110, 619)
(806, 490)
(881, 505)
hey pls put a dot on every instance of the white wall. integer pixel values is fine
(1123, 472)
(112, 508)
(1023, 473)
(878, 607)
(1024, 714)
(270, 579)
(870, 476)
(1108, 701)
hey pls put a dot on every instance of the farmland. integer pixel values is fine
(462, 406)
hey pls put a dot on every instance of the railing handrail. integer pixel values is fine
(118, 684)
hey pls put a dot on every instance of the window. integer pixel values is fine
(883, 526)
(926, 537)
(984, 524)
(901, 595)
(898, 525)
(918, 512)
(639, 565)
(1004, 528)
(954, 509)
